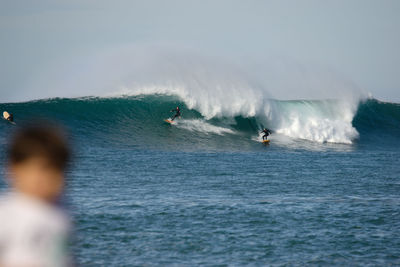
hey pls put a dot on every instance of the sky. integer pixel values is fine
(357, 41)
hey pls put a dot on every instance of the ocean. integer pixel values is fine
(206, 192)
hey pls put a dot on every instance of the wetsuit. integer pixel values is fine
(10, 118)
(177, 114)
(266, 133)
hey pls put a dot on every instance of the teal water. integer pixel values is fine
(144, 193)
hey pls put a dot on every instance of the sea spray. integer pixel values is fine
(320, 121)
(220, 89)
(202, 126)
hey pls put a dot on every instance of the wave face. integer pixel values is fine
(138, 121)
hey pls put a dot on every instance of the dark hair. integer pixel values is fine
(40, 140)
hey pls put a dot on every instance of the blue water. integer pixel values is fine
(158, 195)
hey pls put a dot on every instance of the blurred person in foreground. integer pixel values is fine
(34, 230)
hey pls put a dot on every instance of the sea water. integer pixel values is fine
(205, 191)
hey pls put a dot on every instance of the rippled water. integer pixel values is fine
(278, 206)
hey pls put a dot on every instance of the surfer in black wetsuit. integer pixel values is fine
(266, 132)
(11, 117)
(177, 114)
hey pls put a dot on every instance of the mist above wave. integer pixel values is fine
(219, 88)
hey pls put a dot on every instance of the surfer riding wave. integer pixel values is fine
(266, 132)
(177, 114)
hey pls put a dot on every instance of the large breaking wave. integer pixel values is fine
(138, 120)
(218, 101)
(314, 120)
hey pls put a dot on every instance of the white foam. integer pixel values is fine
(320, 121)
(198, 125)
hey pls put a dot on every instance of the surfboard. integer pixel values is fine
(265, 142)
(169, 121)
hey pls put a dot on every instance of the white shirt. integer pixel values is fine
(32, 233)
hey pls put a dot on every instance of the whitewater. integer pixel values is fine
(319, 121)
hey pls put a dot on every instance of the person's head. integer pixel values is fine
(37, 158)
